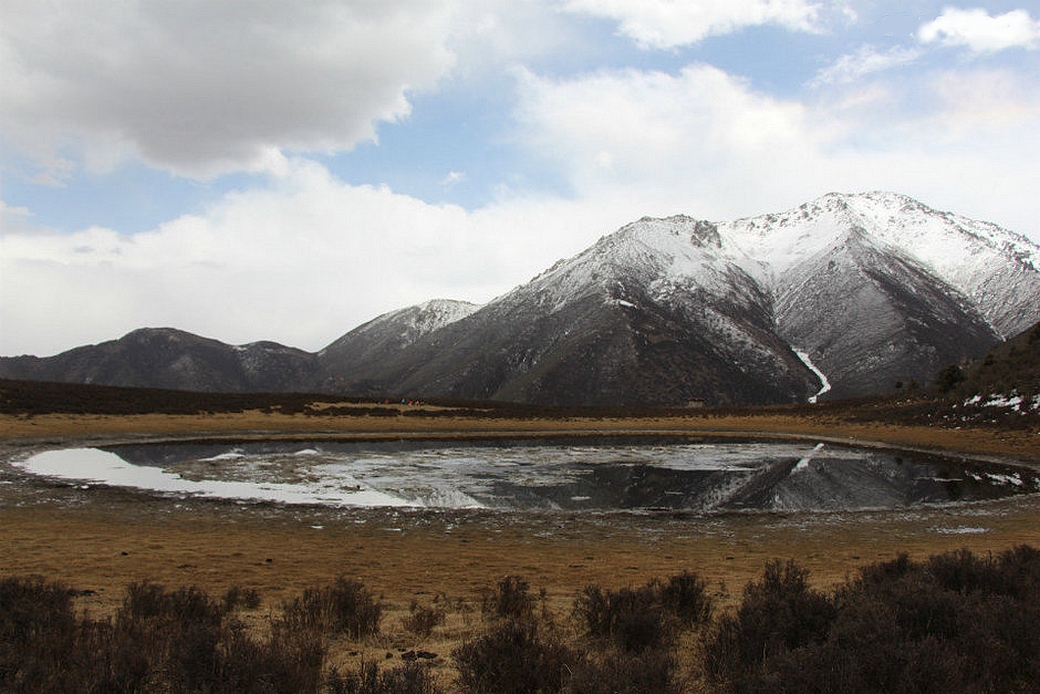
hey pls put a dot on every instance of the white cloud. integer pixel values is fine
(14, 219)
(491, 35)
(300, 262)
(866, 61)
(707, 143)
(673, 23)
(452, 178)
(646, 131)
(985, 103)
(980, 32)
(203, 88)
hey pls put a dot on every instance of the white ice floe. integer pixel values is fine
(804, 462)
(962, 530)
(103, 467)
(1014, 479)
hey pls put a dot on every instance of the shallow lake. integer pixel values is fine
(547, 474)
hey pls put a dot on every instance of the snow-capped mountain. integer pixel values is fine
(878, 287)
(845, 295)
(997, 269)
(871, 289)
(654, 313)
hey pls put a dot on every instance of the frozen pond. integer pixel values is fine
(571, 475)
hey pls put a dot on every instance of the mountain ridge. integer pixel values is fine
(874, 288)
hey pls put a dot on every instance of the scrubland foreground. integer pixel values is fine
(952, 622)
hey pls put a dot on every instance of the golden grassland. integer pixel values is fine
(101, 540)
(1023, 444)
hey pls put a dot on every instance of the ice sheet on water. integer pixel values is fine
(103, 467)
(526, 475)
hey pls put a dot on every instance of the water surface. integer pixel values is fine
(570, 475)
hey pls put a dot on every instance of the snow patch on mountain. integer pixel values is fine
(825, 385)
(1014, 401)
(432, 315)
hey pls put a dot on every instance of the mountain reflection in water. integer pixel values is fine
(572, 475)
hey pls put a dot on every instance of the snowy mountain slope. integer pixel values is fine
(654, 313)
(359, 353)
(878, 287)
(998, 270)
(869, 317)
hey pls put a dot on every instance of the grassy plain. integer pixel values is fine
(101, 540)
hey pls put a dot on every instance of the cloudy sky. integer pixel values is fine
(261, 169)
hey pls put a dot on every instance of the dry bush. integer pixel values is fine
(37, 631)
(170, 641)
(954, 622)
(346, 607)
(624, 672)
(513, 658)
(236, 597)
(511, 599)
(636, 619)
(422, 619)
(367, 678)
(778, 614)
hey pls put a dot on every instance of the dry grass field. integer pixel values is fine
(100, 540)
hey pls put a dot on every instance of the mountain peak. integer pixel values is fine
(365, 347)
(650, 230)
(886, 197)
(147, 336)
